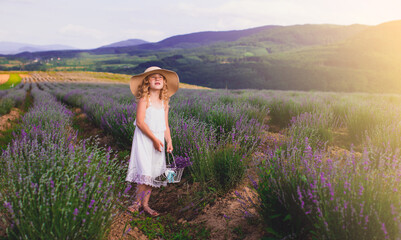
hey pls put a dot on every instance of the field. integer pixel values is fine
(259, 164)
(13, 79)
(4, 78)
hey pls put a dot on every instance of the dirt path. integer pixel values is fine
(229, 218)
(6, 120)
(121, 229)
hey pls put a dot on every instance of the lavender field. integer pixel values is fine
(334, 172)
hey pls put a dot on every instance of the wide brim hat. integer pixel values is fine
(172, 79)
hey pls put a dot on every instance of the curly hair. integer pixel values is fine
(144, 88)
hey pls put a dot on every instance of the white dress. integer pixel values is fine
(146, 163)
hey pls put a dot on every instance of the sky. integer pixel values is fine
(90, 24)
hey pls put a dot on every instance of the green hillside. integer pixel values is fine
(369, 61)
(300, 57)
(305, 35)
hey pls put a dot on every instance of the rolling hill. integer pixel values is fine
(185, 41)
(14, 47)
(369, 61)
(301, 57)
(126, 43)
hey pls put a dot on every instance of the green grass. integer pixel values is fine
(166, 227)
(6, 136)
(13, 81)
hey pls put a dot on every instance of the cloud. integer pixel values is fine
(20, 1)
(243, 14)
(239, 14)
(72, 30)
(4, 32)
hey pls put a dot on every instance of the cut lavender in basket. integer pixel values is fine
(182, 162)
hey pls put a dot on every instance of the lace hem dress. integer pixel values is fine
(146, 163)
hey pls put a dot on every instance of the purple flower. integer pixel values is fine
(385, 231)
(127, 189)
(182, 162)
(300, 197)
(360, 189)
(91, 203)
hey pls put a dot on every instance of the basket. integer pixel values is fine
(173, 173)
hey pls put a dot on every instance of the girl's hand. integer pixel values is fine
(169, 147)
(158, 145)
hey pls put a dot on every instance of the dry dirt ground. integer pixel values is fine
(90, 130)
(94, 77)
(5, 120)
(4, 78)
(226, 217)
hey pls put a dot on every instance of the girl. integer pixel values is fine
(152, 89)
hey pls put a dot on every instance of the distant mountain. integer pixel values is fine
(126, 43)
(206, 38)
(185, 41)
(14, 47)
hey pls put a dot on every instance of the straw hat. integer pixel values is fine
(171, 77)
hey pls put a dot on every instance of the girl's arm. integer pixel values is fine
(140, 122)
(167, 135)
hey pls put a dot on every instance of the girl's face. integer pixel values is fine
(156, 81)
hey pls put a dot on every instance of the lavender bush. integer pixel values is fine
(52, 186)
(306, 191)
(11, 98)
(316, 127)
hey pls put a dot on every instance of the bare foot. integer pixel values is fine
(134, 208)
(150, 211)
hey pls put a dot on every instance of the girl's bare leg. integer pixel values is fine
(140, 194)
(145, 202)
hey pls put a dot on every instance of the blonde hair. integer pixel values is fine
(144, 88)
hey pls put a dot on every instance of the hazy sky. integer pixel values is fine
(93, 23)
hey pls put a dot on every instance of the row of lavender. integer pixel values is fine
(365, 119)
(215, 138)
(13, 97)
(303, 189)
(306, 190)
(51, 186)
